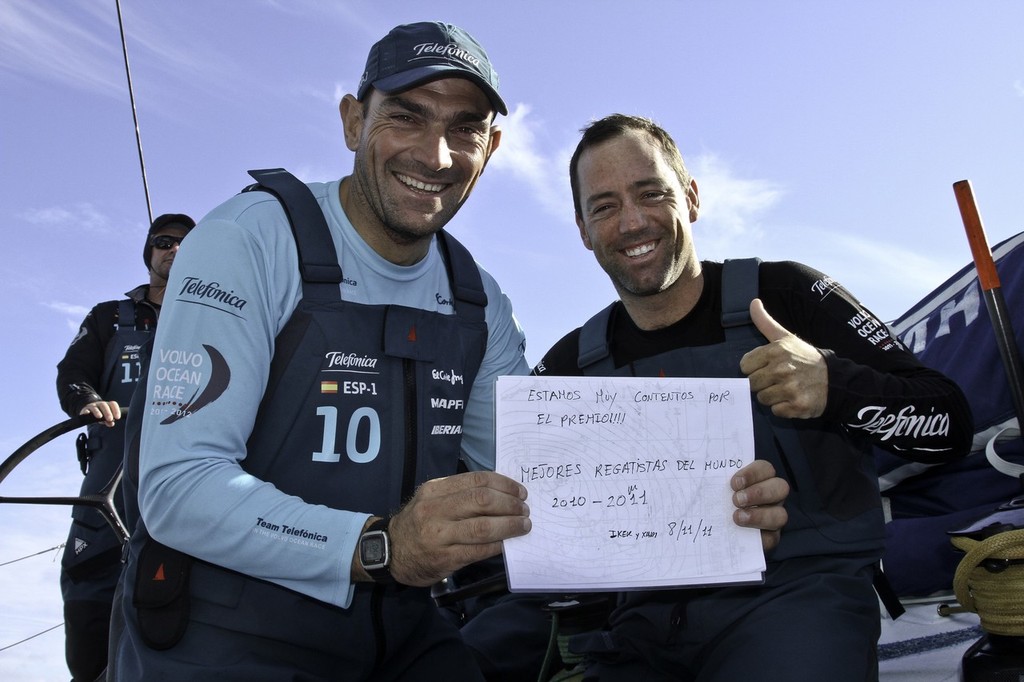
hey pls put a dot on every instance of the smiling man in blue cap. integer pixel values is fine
(306, 424)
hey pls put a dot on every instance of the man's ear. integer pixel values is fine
(494, 143)
(583, 233)
(351, 111)
(693, 200)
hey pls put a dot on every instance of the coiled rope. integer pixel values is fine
(989, 581)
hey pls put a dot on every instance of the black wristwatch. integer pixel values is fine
(375, 551)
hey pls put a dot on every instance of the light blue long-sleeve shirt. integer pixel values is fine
(233, 287)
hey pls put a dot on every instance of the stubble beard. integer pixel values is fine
(163, 271)
(398, 231)
(636, 290)
(642, 285)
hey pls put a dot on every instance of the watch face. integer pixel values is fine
(373, 549)
(375, 553)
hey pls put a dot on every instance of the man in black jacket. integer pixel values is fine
(828, 380)
(97, 376)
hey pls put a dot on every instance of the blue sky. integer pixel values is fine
(828, 133)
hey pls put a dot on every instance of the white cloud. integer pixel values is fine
(917, 272)
(82, 216)
(42, 41)
(58, 42)
(1018, 87)
(731, 208)
(73, 314)
(68, 309)
(546, 175)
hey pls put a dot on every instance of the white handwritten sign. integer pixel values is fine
(628, 481)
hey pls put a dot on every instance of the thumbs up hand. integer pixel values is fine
(789, 375)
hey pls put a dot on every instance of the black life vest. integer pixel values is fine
(834, 505)
(91, 543)
(363, 403)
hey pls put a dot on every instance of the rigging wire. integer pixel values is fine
(135, 116)
(49, 629)
(10, 646)
(29, 556)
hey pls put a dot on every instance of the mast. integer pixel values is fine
(135, 116)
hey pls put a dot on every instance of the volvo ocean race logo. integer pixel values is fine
(179, 380)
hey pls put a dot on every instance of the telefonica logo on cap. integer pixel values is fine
(449, 50)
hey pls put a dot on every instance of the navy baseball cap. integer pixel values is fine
(414, 54)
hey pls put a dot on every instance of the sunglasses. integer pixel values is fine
(164, 241)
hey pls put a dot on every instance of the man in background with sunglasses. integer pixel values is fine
(97, 376)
